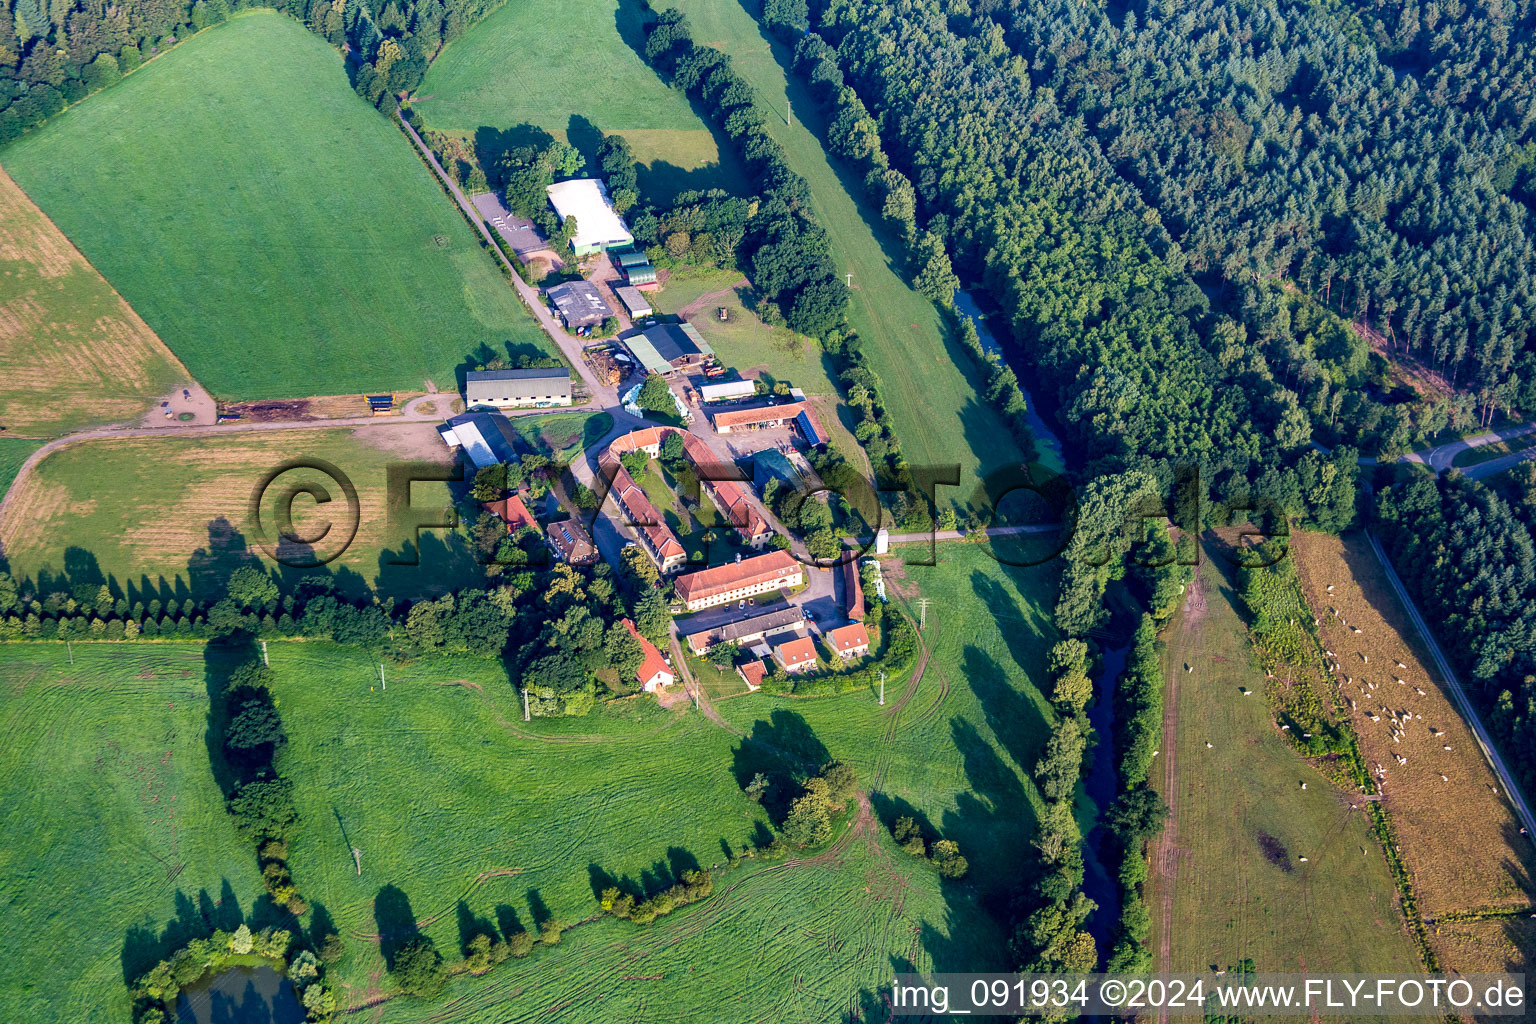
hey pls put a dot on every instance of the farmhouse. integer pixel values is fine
(796, 655)
(535, 388)
(597, 227)
(487, 439)
(654, 672)
(669, 347)
(847, 642)
(572, 542)
(634, 301)
(578, 304)
(747, 631)
(512, 511)
(737, 581)
(655, 537)
(752, 673)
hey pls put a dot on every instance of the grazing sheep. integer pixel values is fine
(1303, 785)
(1209, 745)
(1365, 657)
(1446, 746)
(1401, 665)
(1357, 629)
(1302, 859)
(1330, 588)
(1420, 692)
(1444, 779)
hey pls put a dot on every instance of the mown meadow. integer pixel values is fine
(115, 845)
(282, 240)
(572, 69)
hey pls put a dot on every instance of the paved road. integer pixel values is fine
(1495, 761)
(1440, 458)
(604, 394)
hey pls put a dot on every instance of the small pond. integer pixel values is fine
(241, 995)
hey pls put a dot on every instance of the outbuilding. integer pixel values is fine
(598, 227)
(532, 388)
(634, 301)
(579, 304)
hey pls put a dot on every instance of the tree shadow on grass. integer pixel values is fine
(784, 750)
(396, 922)
(144, 945)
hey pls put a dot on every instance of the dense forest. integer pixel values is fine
(1275, 146)
(1262, 155)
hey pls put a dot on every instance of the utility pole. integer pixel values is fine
(382, 684)
(70, 650)
(526, 716)
(264, 660)
(789, 113)
(357, 855)
(922, 613)
(882, 688)
(849, 278)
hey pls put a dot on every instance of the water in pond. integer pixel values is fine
(1101, 785)
(241, 995)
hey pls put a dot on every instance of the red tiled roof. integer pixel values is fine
(642, 514)
(654, 663)
(796, 652)
(853, 589)
(753, 672)
(848, 638)
(513, 511)
(762, 414)
(645, 437)
(723, 578)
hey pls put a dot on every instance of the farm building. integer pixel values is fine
(629, 258)
(639, 275)
(668, 347)
(747, 631)
(656, 538)
(512, 511)
(737, 581)
(572, 542)
(536, 388)
(756, 418)
(853, 590)
(634, 301)
(485, 438)
(380, 405)
(578, 304)
(598, 228)
(796, 655)
(851, 641)
(730, 391)
(654, 672)
(752, 673)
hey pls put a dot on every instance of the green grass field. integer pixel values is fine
(113, 826)
(960, 749)
(1243, 823)
(72, 353)
(474, 814)
(165, 514)
(567, 68)
(933, 395)
(300, 247)
(13, 452)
